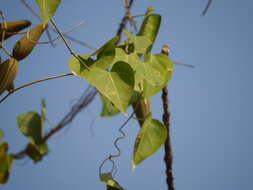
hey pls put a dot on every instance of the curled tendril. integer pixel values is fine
(112, 156)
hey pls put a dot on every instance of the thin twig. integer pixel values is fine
(31, 83)
(67, 44)
(168, 157)
(58, 37)
(206, 8)
(52, 29)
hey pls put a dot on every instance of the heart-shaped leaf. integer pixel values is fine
(117, 85)
(31, 126)
(47, 8)
(150, 138)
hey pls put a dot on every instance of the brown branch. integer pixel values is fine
(168, 156)
(82, 103)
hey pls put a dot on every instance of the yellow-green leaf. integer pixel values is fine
(31, 126)
(47, 8)
(109, 181)
(117, 85)
(150, 27)
(108, 108)
(150, 138)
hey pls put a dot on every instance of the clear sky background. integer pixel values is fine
(211, 105)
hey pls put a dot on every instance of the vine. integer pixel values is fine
(124, 74)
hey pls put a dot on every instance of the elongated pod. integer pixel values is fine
(149, 28)
(25, 45)
(12, 27)
(8, 72)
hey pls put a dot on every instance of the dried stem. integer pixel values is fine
(82, 103)
(168, 157)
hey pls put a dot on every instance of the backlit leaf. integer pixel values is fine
(31, 126)
(117, 85)
(36, 152)
(111, 183)
(158, 71)
(107, 49)
(150, 138)
(47, 8)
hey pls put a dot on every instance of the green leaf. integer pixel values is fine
(150, 28)
(47, 8)
(36, 152)
(117, 85)
(111, 183)
(30, 125)
(134, 61)
(107, 49)
(108, 108)
(5, 163)
(77, 67)
(141, 43)
(43, 111)
(1, 134)
(158, 71)
(150, 138)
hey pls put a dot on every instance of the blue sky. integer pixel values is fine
(210, 104)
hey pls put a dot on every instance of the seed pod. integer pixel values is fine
(12, 27)
(25, 45)
(8, 71)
